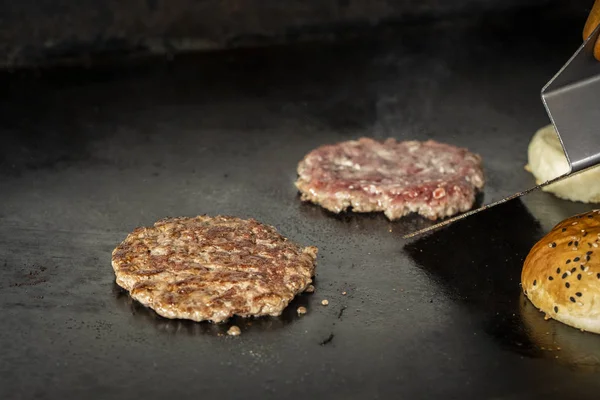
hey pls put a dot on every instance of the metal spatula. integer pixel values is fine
(572, 100)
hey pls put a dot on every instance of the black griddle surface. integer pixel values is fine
(87, 155)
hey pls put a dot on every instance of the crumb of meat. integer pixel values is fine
(234, 331)
(433, 179)
(212, 268)
(344, 293)
(325, 302)
(301, 310)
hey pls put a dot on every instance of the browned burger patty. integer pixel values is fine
(433, 179)
(207, 268)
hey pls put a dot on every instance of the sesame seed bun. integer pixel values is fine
(547, 160)
(561, 274)
(558, 342)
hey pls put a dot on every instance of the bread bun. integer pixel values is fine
(561, 274)
(558, 342)
(547, 160)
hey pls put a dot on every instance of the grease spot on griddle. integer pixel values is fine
(327, 340)
(30, 276)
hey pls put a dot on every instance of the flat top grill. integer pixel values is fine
(89, 154)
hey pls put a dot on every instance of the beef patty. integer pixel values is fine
(211, 268)
(433, 179)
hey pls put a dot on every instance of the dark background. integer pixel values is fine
(34, 32)
(113, 141)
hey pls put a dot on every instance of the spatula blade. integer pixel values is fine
(572, 101)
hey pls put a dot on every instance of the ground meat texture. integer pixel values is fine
(433, 179)
(211, 268)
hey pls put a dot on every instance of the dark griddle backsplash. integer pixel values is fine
(34, 33)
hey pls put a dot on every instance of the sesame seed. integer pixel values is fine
(558, 270)
(582, 267)
(550, 278)
(590, 216)
(595, 244)
(588, 253)
(598, 275)
(568, 261)
(580, 304)
(555, 309)
(587, 258)
(589, 244)
(572, 299)
(585, 234)
(568, 285)
(564, 229)
(575, 223)
(325, 302)
(576, 243)
(553, 244)
(573, 270)
(576, 259)
(535, 281)
(578, 277)
(565, 275)
(570, 243)
(578, 294)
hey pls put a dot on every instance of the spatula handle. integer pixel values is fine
(592, 22)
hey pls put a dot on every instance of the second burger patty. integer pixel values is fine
(433, 179)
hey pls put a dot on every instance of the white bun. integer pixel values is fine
(561, 274)
(547, 160)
